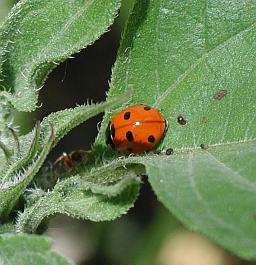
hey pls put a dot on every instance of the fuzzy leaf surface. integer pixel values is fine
(36, 145)
(38, 35)
(83, 200)
(5, 7)
(28, 250)
(197, 59)
(211, 191)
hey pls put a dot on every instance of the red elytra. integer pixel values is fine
(136, 129)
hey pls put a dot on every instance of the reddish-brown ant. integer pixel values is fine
(70, 160)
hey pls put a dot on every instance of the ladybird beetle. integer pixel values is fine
(136, 129)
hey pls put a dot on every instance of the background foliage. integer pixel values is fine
(194, 59)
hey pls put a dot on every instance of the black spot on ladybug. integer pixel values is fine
(181, 120)
(169, 151)
(129, 136)
(129, 149)
(127, 115)
(147, 108)
(151, 139)
(204, 146)
(112, 131)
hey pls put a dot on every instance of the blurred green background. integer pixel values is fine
(148, 234)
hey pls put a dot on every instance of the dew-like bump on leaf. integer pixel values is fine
(38, 35)
(178, 55)
(28, 250)
(81, 200)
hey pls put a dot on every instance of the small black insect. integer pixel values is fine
(181, 120)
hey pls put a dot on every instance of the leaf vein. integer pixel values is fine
(190, 69)
(236, 178)
(200, 199)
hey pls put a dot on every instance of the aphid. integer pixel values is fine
(136, 129)
(220, 94)
(181, 120)
(204, 146)
(169, 151)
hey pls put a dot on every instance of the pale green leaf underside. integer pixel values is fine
(18, 176)
(28, 250)
(37, 35)
(211, 191)
(179, 55)
(83, 200)
(22, 170)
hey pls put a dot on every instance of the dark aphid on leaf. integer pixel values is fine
(204, 146)
(169, 151)
(136, 129)
(220, 94)
(181, 120)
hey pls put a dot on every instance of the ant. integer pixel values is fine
(71, 159)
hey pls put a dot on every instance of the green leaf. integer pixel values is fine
(28, 249)
(7, 228)
(19, 174)
(38, 35)
(83, 200)
(5, 6)
(212, 191)
(35, 146)
(197, 59)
